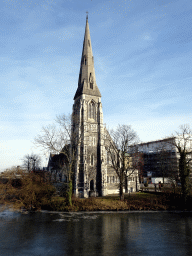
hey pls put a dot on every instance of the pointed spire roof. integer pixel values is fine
(87, 82)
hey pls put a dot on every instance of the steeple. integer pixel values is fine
(87, 82)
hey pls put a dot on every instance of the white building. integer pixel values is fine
(161, 157)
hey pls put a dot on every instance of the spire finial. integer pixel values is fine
(87, 16)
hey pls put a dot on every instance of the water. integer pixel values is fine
(133, 233)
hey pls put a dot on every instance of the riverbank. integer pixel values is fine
(133, 202)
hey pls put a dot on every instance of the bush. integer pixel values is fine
(55, 204)
(30, 191)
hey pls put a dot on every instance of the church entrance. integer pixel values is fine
(92, 192)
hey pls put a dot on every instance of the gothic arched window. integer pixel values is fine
(92, 110)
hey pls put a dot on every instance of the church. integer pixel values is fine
(93, 174)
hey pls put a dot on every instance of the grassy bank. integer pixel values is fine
(137, 201)
(32, 191)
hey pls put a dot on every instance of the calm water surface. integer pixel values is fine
(135, 233)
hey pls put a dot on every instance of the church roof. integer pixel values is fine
(87, 82)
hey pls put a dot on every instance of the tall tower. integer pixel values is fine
(87, 126)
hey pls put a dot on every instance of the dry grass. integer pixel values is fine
(98, 204)
(137, 201)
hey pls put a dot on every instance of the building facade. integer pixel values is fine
(160, 159)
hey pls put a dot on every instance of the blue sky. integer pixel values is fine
(143, 63)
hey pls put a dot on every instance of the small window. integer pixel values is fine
(91, 81)
(89, 43)
(94, 140)
(113, 179)
(85, 150)
(107, 158)
(107, 179)
(92, 159)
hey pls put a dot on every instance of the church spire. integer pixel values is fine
(87, 82)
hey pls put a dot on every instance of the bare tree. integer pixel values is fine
(137, 160)
(183, 143)
(120, 146)
(31, 162)
(59, 139)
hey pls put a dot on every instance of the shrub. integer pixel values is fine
(30, 190)
(55, 204)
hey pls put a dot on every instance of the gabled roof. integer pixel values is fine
(56, 161)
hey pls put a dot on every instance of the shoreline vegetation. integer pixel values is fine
(34, 191)
(134, 202)
(140, 201)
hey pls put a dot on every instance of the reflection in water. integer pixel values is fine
(121, 233)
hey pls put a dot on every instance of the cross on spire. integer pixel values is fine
(87, 15)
